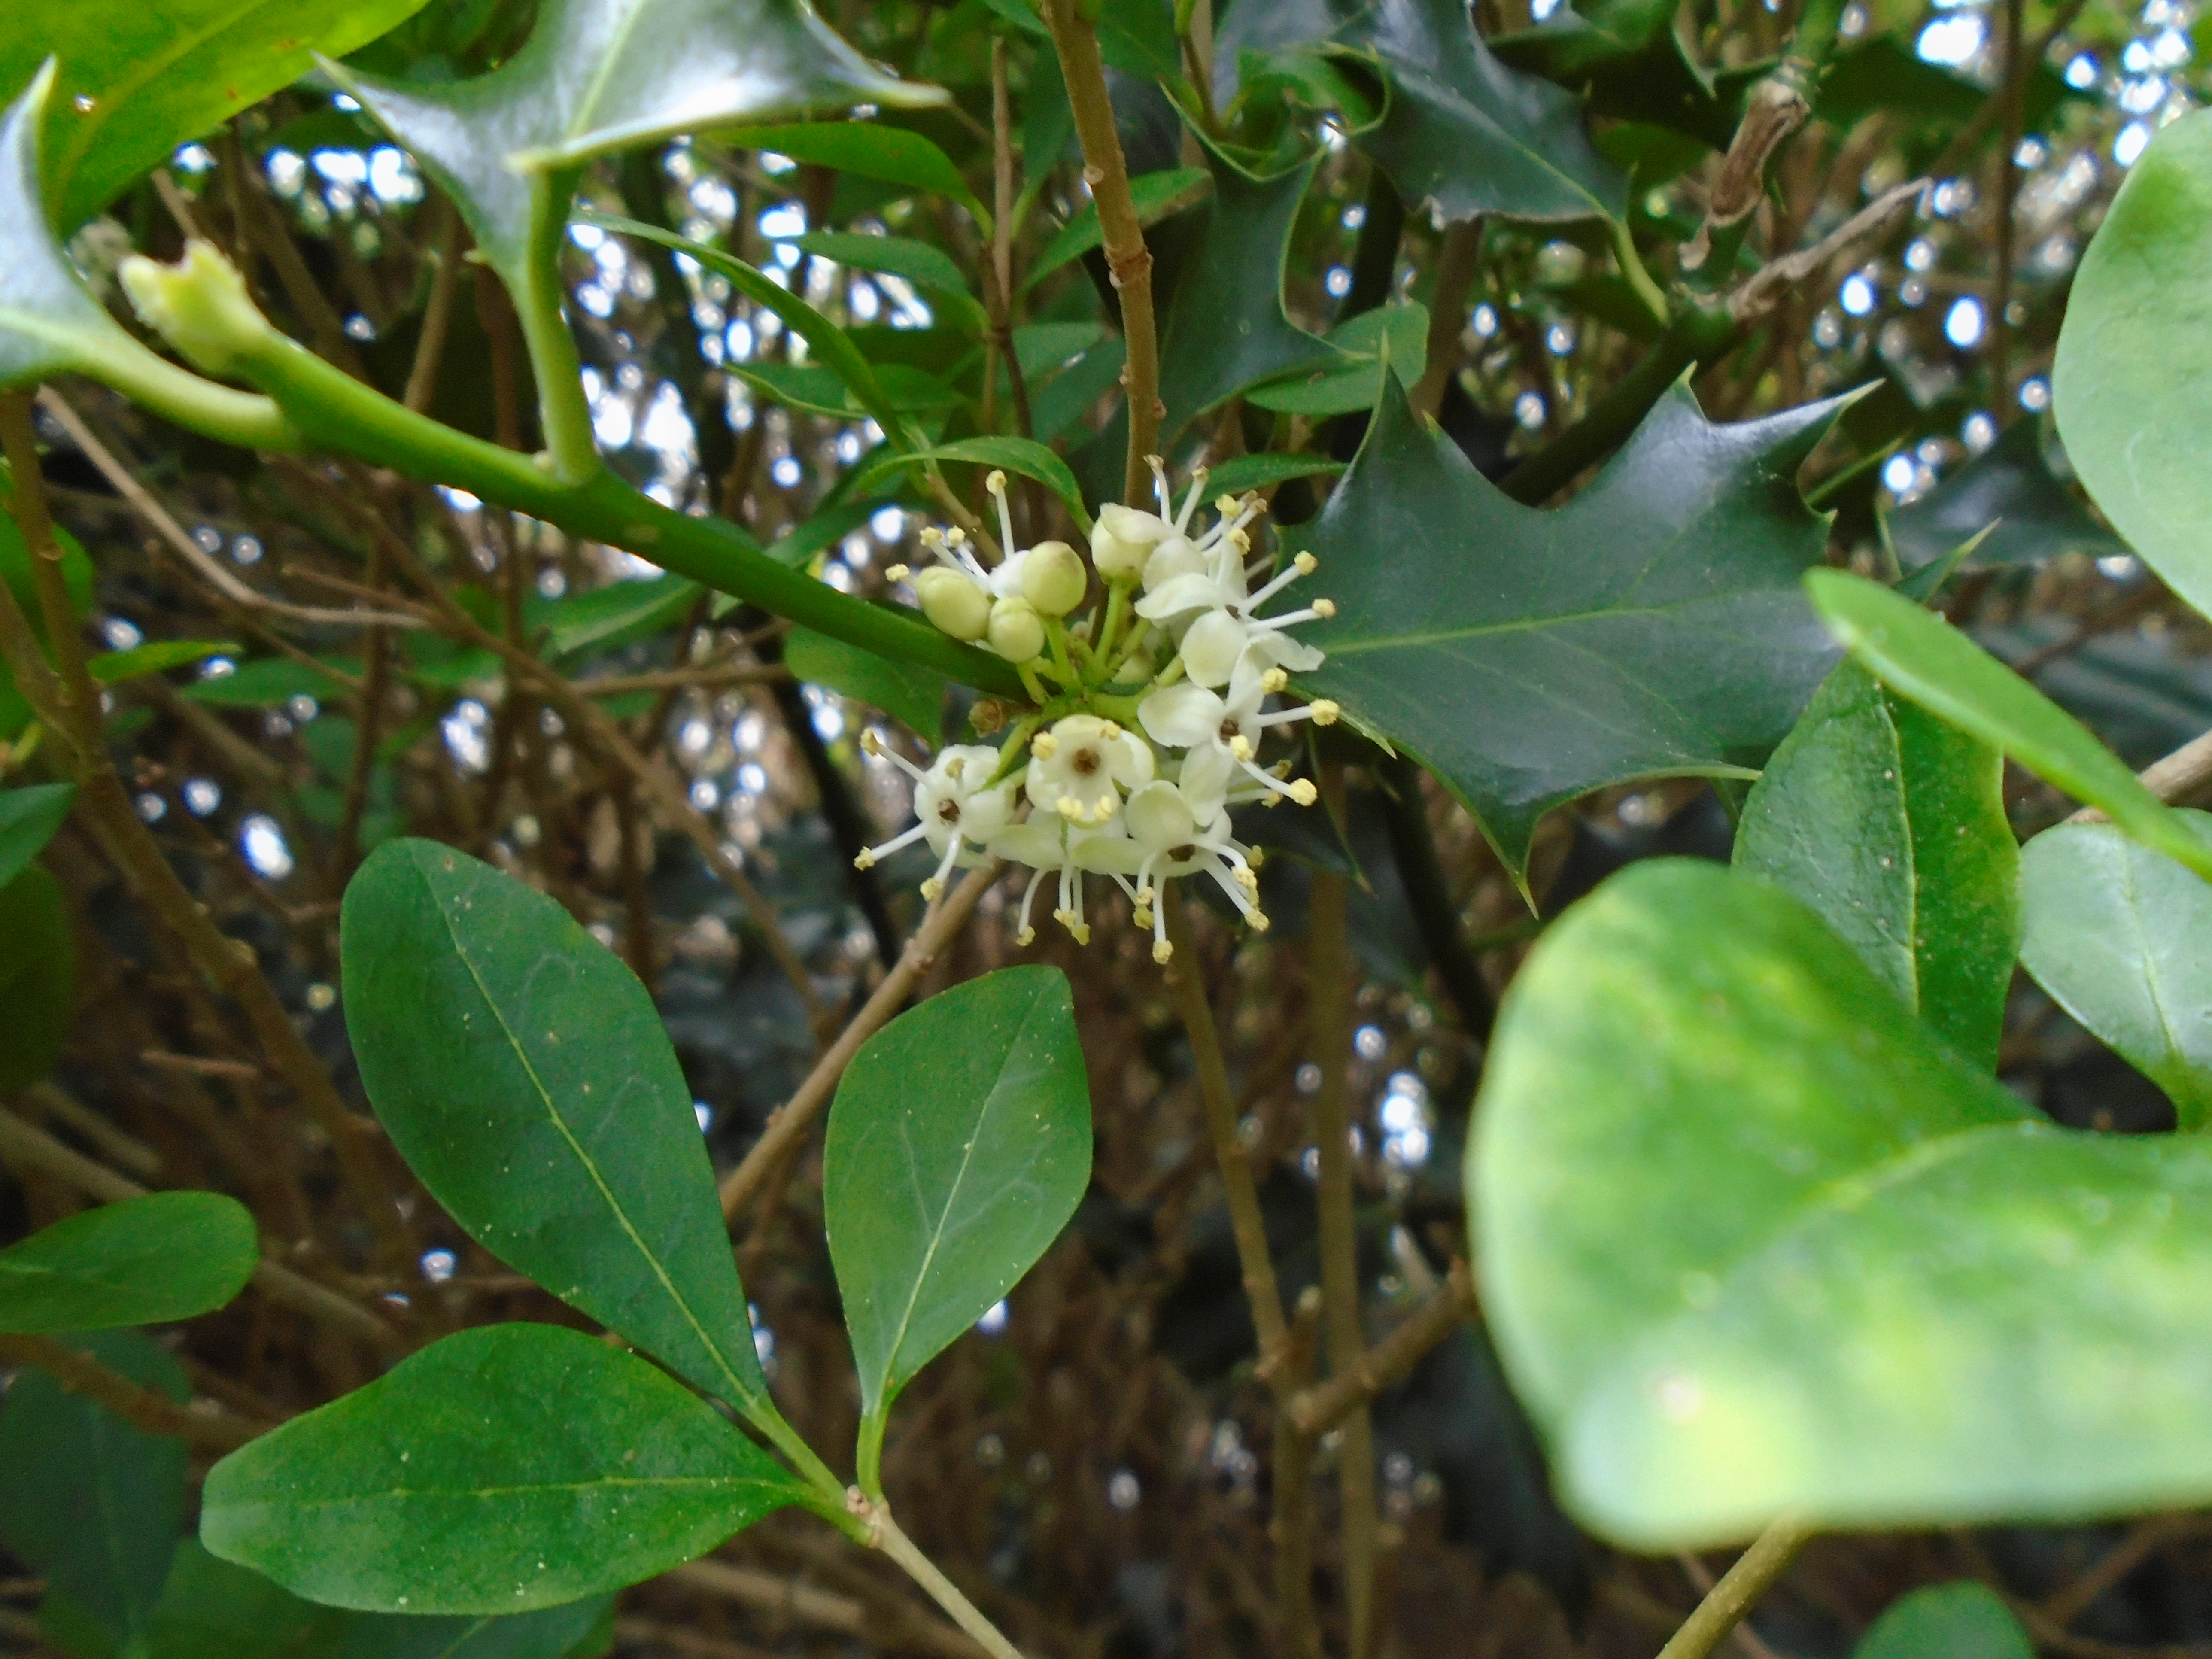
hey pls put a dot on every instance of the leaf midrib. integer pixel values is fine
(591, 1167)
(292, 1505)
(145, 70)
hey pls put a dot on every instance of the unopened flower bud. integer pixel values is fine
(199, 305)
(1123, 538)
(954, 601)
(1017, 633)
(1054, 579)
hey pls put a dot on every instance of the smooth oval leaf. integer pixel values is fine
(2116, 934)
(503, 1469)
(142, 1261)
(923, 264)
(523, 1073)
(1651, 627)
(1967, 1620)
(870, 150)
(1025, 456)
(1792, 1256)
(90, 1502)
(2132, 383)
(905, 692)
(138, 80)
(28, 819)
(959, 1144)
(38, 977)
(1892, 825)
(1921, 656)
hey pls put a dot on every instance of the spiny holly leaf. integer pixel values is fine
(1628, 59)
(1463, 132)
(138, 80)
(1755, 1243)
(1651, 627)
(598, 75)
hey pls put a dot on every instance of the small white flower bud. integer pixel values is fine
(1054, 579)
(1123, 538)
(199, 305)
(955, 602)
(1016, 631)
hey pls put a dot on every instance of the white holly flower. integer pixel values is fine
(1222, 733)
(1081, 767)
(1178, 836)
(1218, 611)
(957, 804)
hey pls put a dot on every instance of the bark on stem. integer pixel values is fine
(146, 1408)
(1317, 1409)
(1128, 261)
(1739, 1589)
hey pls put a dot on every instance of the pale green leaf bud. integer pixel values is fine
(1054, 579)
(199, 305)
(1016, 631)
(955, 601)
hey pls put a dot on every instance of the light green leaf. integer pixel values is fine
(1242, 472)
(1401, 332)
(38, 977)
(602, 618)
(922, 263)
(156, 657)
(503, 1469)
(136, 81)
(28, 819)
(1891, 825)
(1022, 455)
(1156, 195)
(1921, 656)
(1753, 1242)
(1966, 1620)
(1651, 627)
(87, 1500)
(2132, 383)
(959, 1144)
(142, 1261)
(272, 682)
(905, 692)
(2116, 934)
(815, 390)
(870, 150)
(523, 1073)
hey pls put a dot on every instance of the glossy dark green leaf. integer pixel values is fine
(145, 1261)
(1022, 455)
(959, 1144)
(38, 977)
(1627, 58)
(1892, 825)
(2116, 934)
(2010, 491)
(1923, 657)
(1155, 195)
(1966, 1620)
(572, 1631)
(1650, 627)
(136, 81)
(1463, 133)
(2132, 385)
(501, 1470)
(1397, 334)
(90, 1503)
(156, 657)
(524, 1074)
(926, 265)
(1755, 1243)
(28, 819)
(902, 691)
(1242, 472)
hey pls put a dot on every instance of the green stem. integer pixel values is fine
(332, 410)
(1698, 334)
(153, 382)
(942, 1590)
(1632, 267)
(563, 410)
(1740, 1588)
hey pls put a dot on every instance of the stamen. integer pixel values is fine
(865, 859)
(1190, 500)
(1025, 935)
(996, 484)
(1161, 493)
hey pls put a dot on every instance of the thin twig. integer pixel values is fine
(438, 314)
(1456, 263)
(788, 1124)
(1761, 293)
(1316, 1409)
(201, 563)
(1001, 294)
(1739, 1589)
(884, 1533)
(146, 1408)
(1290, 1475)
(1128, 261)
(2143, 1540)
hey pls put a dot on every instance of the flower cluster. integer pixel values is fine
(1151, 706)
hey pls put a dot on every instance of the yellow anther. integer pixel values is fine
(996, 484)
(1240, 541)
(1274, 680)
(1162, 952)
(1324, 711)
(1307, 564)
(931, 891)
(871, 743)
(1304, 792)
(955, 767)
(1142, 916)
(1324, 608)
(864, 859)
(1241, 746)
(1226, 505)
(1110, 731)
(1044, 745)
(1259, 920)
(896, 573)
(1026, 938)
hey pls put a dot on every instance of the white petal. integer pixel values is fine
(1181, 716)
(1294, 654)
(1178, 555)
(1105, 850)
(1211, 647)
(1206, 771)
(1133, 767)
(1194, 592)
(1160, 818)
(1036, 844)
